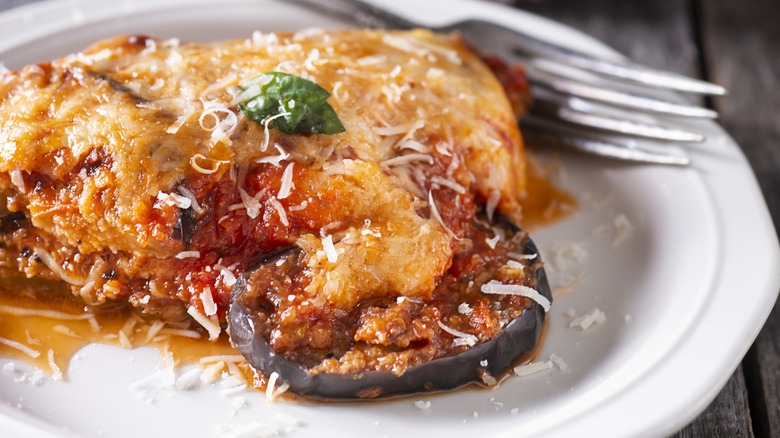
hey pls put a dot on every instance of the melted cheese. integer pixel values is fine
(127, 141)
(152, 139)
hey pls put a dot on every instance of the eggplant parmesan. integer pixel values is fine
(377, 255)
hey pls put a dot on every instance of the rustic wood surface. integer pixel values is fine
(742, 48)
(736, 44)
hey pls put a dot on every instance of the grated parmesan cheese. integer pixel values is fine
(55, 267)
(557, 360)
(193, 202)
(21, 347)
(266, 131)
(227, 275)
(421, 48)
(180, 121)
(495, 287)
(124, 340)
(408, 158)
(231, 386)
(251, 204)
(461, 337)
(207, 299)
(271, 391)
(493, 241)
(518, 256)
(154, 329)
(444, 148)
(211, 372)
(222, 358)
(488, 379)
(330, 250)
(422, 404)
(188, 380)
(532, 368)
(367, 232)
(151, 46)
(337, 91)
(457, 188)
(55, 370)
(586, 321)
(67, 331)
(274, 159)
(211, 324)
(492, 203)
(51, 314)
(434, 73)
(172, 199)
(18, 180)
(371, 59)
(514, 264)
(224, 120)
(436, 214)
(287, 182)
(404, 128)
(174, 58)
(413, 145)
(298, 207)
(280, 211)
(260, 39)
(220, 84)
(180, 332)
(200, 169)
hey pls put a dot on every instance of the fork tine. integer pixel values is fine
(538, 131)
(374, 16)
(611, 124)
(625, 69)
(616, 97)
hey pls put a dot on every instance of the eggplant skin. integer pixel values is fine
(520, 336)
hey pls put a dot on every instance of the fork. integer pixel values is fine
(553, 117)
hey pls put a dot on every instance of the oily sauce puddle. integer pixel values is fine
(47, 332)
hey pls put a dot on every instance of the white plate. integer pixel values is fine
(684, 295)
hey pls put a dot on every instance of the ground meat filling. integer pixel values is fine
(392, 333)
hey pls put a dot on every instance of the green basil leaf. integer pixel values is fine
(296, 104)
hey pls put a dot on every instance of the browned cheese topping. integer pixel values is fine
(128, 172)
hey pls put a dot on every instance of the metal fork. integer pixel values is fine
(553, 119)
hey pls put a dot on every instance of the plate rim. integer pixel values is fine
(707, 165)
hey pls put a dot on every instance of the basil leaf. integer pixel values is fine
(301, 103)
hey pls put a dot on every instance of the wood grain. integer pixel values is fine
(727, 416)
(742, 46)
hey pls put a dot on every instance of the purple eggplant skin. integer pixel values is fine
(519, 337)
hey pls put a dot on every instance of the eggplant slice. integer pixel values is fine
(494, 356)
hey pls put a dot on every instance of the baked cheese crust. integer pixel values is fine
(129, 172)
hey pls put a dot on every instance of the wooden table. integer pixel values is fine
(736, 44)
